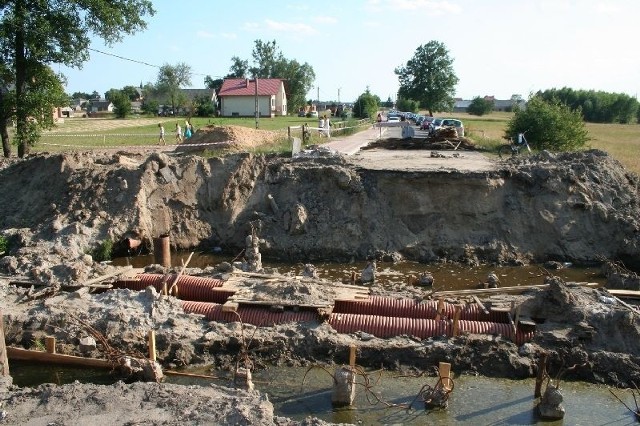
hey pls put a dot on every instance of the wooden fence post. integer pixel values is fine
(4, 361)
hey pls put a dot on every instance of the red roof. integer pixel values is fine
(247, 87)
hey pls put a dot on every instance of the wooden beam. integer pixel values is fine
(27, 355)
(152, 345)
(514, 289)
(107, 276)
(352, 355)
(50, 344)
(4, 361)
(229, 306)
(456, 320)
(484, 309)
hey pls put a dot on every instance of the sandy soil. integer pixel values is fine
(57, 210)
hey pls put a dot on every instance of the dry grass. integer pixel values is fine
(621, 141)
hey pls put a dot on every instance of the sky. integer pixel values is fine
(498, 47)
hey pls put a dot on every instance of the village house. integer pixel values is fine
(238, 97)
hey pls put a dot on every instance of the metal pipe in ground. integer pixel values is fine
(162, 251)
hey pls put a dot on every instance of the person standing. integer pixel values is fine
(321, 125)
(327, 126)
(187, 130)
(161, 140)
(178, 133)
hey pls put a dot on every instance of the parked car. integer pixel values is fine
(393, 118)
(314, 114)
(427, 123)
(457, 124)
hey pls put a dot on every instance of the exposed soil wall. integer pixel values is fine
(573, 207)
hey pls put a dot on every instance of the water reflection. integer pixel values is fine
(446, 276)
(474, 401)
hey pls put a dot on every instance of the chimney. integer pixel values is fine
(247, 82)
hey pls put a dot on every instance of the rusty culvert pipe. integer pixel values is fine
(384, 326)
(494, 328)
(248, 315)
(410, 308)
(189, 288)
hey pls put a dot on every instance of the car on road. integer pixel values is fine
(449, 122)
(393, 119)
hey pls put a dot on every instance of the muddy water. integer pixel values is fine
(446, 276)
(299, 392)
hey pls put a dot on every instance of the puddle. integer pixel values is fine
(446, 277)
(474, 401)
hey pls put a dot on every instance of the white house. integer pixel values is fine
(238, 97)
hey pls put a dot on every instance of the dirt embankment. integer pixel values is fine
(575, 207)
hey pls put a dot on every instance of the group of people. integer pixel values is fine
(325, 125)
(180, 137)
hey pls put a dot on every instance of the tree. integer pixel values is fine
(549, 125)
(203, 107)
(35, 33)
(269, 62)
(480, 106)
(239, 68)
(121, 102)
(429, 78)
(366, 106)
(408, 105)
(80, 95)
(170, 79)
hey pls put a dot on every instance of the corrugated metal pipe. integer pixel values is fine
(189, 288)
(248, 315)
(410, 308)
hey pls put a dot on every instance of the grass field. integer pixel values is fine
(622, 141)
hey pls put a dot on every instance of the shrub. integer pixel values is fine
(480, 106)
(4, 244)
(103, 251)
(549, 125)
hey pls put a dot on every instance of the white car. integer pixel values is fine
(393, 119)
(449, 122)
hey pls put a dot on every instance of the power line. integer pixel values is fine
(143, 62)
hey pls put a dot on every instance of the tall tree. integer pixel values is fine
(239, 68)
(269, 62)
(34, 33)
(170, 79)
(429, 78)
(366, 106)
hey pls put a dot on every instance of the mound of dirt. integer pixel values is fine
(234, 138)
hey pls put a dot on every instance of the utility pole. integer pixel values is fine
(257, 103)
(318, 96)
(339, 94)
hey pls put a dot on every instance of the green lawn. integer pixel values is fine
(622, 141)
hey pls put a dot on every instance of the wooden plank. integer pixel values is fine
(444, 371)
(484, 309)
(4, 362)
(276, 302)
(27, 355)
(229, 306)
(107, 276)
(511, 290)
(625, 294)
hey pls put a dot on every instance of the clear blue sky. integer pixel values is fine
(499, 47)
